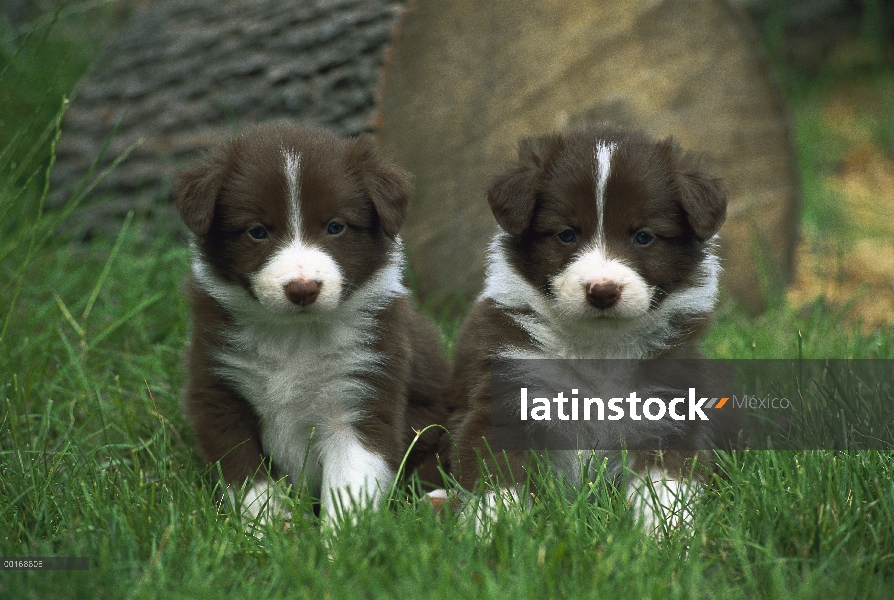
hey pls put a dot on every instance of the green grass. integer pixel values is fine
(39, 63)
(96, 460)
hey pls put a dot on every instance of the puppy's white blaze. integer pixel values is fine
(297, 262)
(602, 159)
(570, 287)
(659, 501)
(292, 168)
(353, 476)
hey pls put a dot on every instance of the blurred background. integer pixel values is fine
(145, 71)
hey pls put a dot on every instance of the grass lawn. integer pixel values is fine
(96, 461)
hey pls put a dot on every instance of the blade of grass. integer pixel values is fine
(25, 161)
(68, 317)
(19, 50)
(107, 267)
(57, 124)
(124, 319)
(403, 462)
(14, 242)
(83, 188)
(76, 361)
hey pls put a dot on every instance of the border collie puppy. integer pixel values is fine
(606, 251)
(307, 358)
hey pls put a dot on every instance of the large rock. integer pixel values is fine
(469, 79)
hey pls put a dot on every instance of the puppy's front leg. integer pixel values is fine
(353, 476)
(487, 508)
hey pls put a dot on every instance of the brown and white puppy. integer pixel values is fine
(307, 358)
(606, 251)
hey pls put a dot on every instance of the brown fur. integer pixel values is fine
(550, 188)
(484, 329)
(242, 183)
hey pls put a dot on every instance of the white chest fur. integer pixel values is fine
(304, 380)
(303, 374)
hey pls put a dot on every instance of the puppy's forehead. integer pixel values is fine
(320, 188)
(277, 179)
(288, 154)
(604, 184)
(579, 181)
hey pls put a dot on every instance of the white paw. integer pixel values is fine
(354, 478)
(660, 503)
(259, 503)
(483, 511)
(344, 503)
(440, 500)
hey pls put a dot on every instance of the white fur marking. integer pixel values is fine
(293, 177)
(602, 158)
(261, 502)
(660, 502)
(593, 265)
(353, 477)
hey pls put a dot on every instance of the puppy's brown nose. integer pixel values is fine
(302, 291)
(603, 294)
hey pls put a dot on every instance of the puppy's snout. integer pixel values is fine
(603, 294)
(302, 291)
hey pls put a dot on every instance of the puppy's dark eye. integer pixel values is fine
(258, 233)
(335, 228)
(643, 238)
(567, 236)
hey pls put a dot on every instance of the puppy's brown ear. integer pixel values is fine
(704, 200)
(513, 194)
(386, 184)
(197, 188)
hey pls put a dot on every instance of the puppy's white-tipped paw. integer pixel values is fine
(258, 504)
(661, 503)
(483, 511)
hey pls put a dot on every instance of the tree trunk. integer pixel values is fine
(182, 74)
